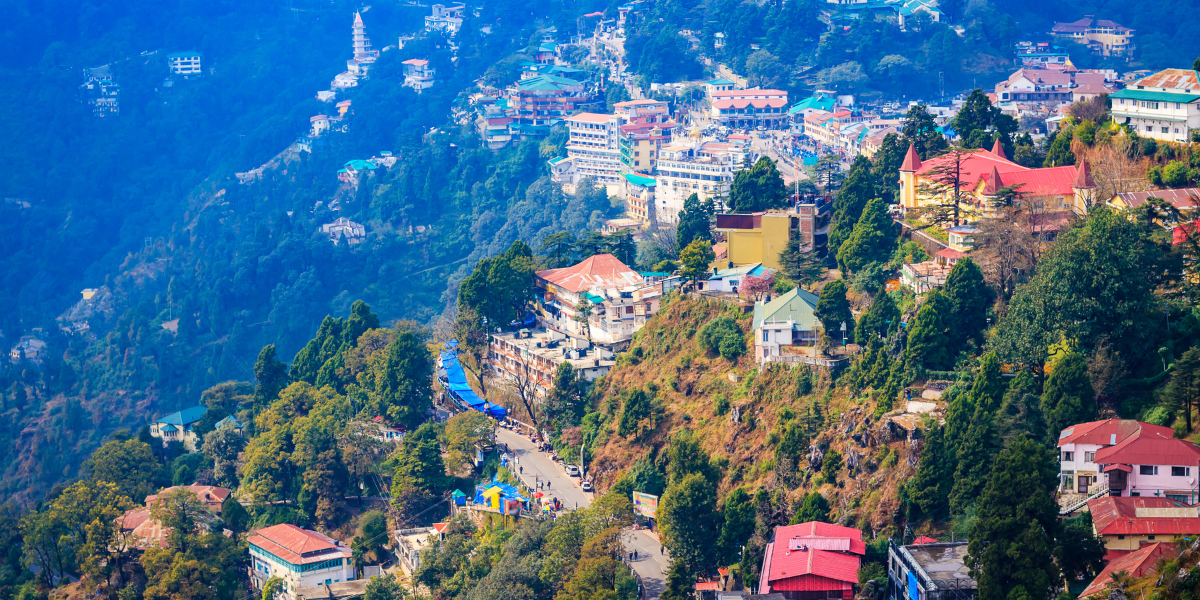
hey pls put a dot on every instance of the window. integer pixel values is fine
(1166, 130)
(1120, 537)
(1149, 128)
(1068, 456)
(1181, 471)
(1151, 538)
(1148, 470)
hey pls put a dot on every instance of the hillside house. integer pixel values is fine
(1101, 36)
(177, 427)
(28, 348)
(1163, 106)
(302, 558)
(319, 124)
(1151, 463)
(531, 356)
(760, 237)
(730, 279)
(446, 19)
(812, 561)
(143, 531)
(784, 323)
(1078, 444)
(411, 542)
(418, 74)
(619, 299)
(639, 196)
(1125, 524)
(344, 229)
(185, 64)
(1139, 563)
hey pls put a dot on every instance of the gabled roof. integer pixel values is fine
(912, 162)
(296, 545)
(1150, 448)
(998, 149)
(1138, 563)
(1108, 432)
(981, 164)
(184, 417)
(602, 270)
(1123, 515)
(799, 550)
(923, 539)
(1183, 198)
(1083, 177)
(1179, 79)
(719, 81)
(208, 494)
(797, 305)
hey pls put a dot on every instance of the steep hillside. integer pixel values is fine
(769, 428)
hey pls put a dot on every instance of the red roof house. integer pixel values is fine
(1126, 523)
(1151, 463)
(295, 545)
(813, 560)
(602, 270)
(1138, 563)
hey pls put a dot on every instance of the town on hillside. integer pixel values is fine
(801, 300)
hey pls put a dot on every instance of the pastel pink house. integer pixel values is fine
(1078, 445)
(1151, 463)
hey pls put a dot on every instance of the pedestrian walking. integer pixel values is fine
(635, 555)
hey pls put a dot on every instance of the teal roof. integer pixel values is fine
(168, 428)
(556, 160)
(360, 165)
(911, 6)
(550, 78)
(562, 69)
(186, 416)
(530, 85)
(719, 81)
(594, 299)
(229, 421)
(1146, 95)
(547, 47)
(654, 274)
(796, 305)
(750, 269)
(817, 101)
(642, 180)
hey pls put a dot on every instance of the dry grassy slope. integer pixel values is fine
(689, 381)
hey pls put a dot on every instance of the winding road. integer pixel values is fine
(651, 564)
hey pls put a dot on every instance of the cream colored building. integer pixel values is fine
(1164, 106)
(1102, 37)
(705, 169)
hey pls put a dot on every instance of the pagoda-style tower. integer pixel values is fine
(362, 44)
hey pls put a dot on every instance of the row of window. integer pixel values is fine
(327, 564)
(1154, 105)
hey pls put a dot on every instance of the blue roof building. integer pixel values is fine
(177, 427)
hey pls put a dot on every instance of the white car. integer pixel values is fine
(572, 470)
(587, 486)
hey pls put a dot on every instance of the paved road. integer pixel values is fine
(651, 565)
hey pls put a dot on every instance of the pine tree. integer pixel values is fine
(928, 336)
(871, 241)
(880, 320)
(988, 389)
(969, 297)
(1184, 388)
(851, 199)
(959, 412)
(1020, 412)
(833, 309)
(1011, 553)
(1068, 397)
(272, 377)
(930, 487)
(975, 456)
(694, 221)
(800, 264)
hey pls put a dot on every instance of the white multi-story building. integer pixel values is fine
(530, 357)
(447, 19)
(705, 169)
(1163, 106)
(418, 74)
(750, 108)
(617, 299)
(594, 147)
(184, 63)
(300, 557)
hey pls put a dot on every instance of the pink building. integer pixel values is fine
(1150, 463)
(1078, 444)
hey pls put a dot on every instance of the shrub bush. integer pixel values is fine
(722, 336)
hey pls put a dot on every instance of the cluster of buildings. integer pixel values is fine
(178, 427)
(30, 348)
(1102, 37)
(543, 97)
(100, 92)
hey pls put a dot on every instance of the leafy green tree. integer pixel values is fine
(1081, 552)
(969, 297)
(833, 309)
(881, 319)
(975, 456)
(181, 512)
(1184, 388)
(976, 114)
(688, 517)
(273, 588)
(271, 375)
(234, 515)
(738, 526)
(1011, 553)
(872, 240)
(1097, 282)
(128, 464)
(418, 461)
(857, 190)
(814, 507)
(887, 163)
(1068, 397)
(565, 404)
(499, 287)
(930, 487)
(680, 582)
(695, 221)
(928, 335)
(800, 264)
(1060, 154)
(921, 130)
(615, 94)
(830, 465)
(473, 341)
(558, 250)
(647, 477)
(222, 446)
(398, 384)
(758, 188)
(695, 258)
(635, 409)
(463, 432)
(723, 336)
(685, 456)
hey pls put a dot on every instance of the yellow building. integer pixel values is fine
(760, 237)
(1101, 36)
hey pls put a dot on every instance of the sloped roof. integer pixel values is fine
(184, 417)
(1182, 198)
(786, 563)
(588, 117)
(1108, 432)
(750, 269)
(719, 81)
(912, 161)
(979, 166)
(1180, 79)
(748, 93)
(639, 179)
(1153, 96)
(1138, 563)
(416, 62)
(296, 545)
(602, 270)
(797, 305)
(210, 495)
(1148, 447)
(1122, 515)
(744, 102)
(923, 539)
(816, 101)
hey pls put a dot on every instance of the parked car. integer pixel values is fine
(571, 470)
(587, 486)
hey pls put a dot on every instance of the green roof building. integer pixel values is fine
(785, 323)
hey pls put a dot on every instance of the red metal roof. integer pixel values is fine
(1138, 563)
(1101, 432)
(826, 556)
(296, 545)
(1149, 448)
(601, 270)
(1116, 515)
(923, 539)
(912, 162)
(786, 564)
(705, 586)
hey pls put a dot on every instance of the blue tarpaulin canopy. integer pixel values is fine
(456, 384)
(494, 409)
